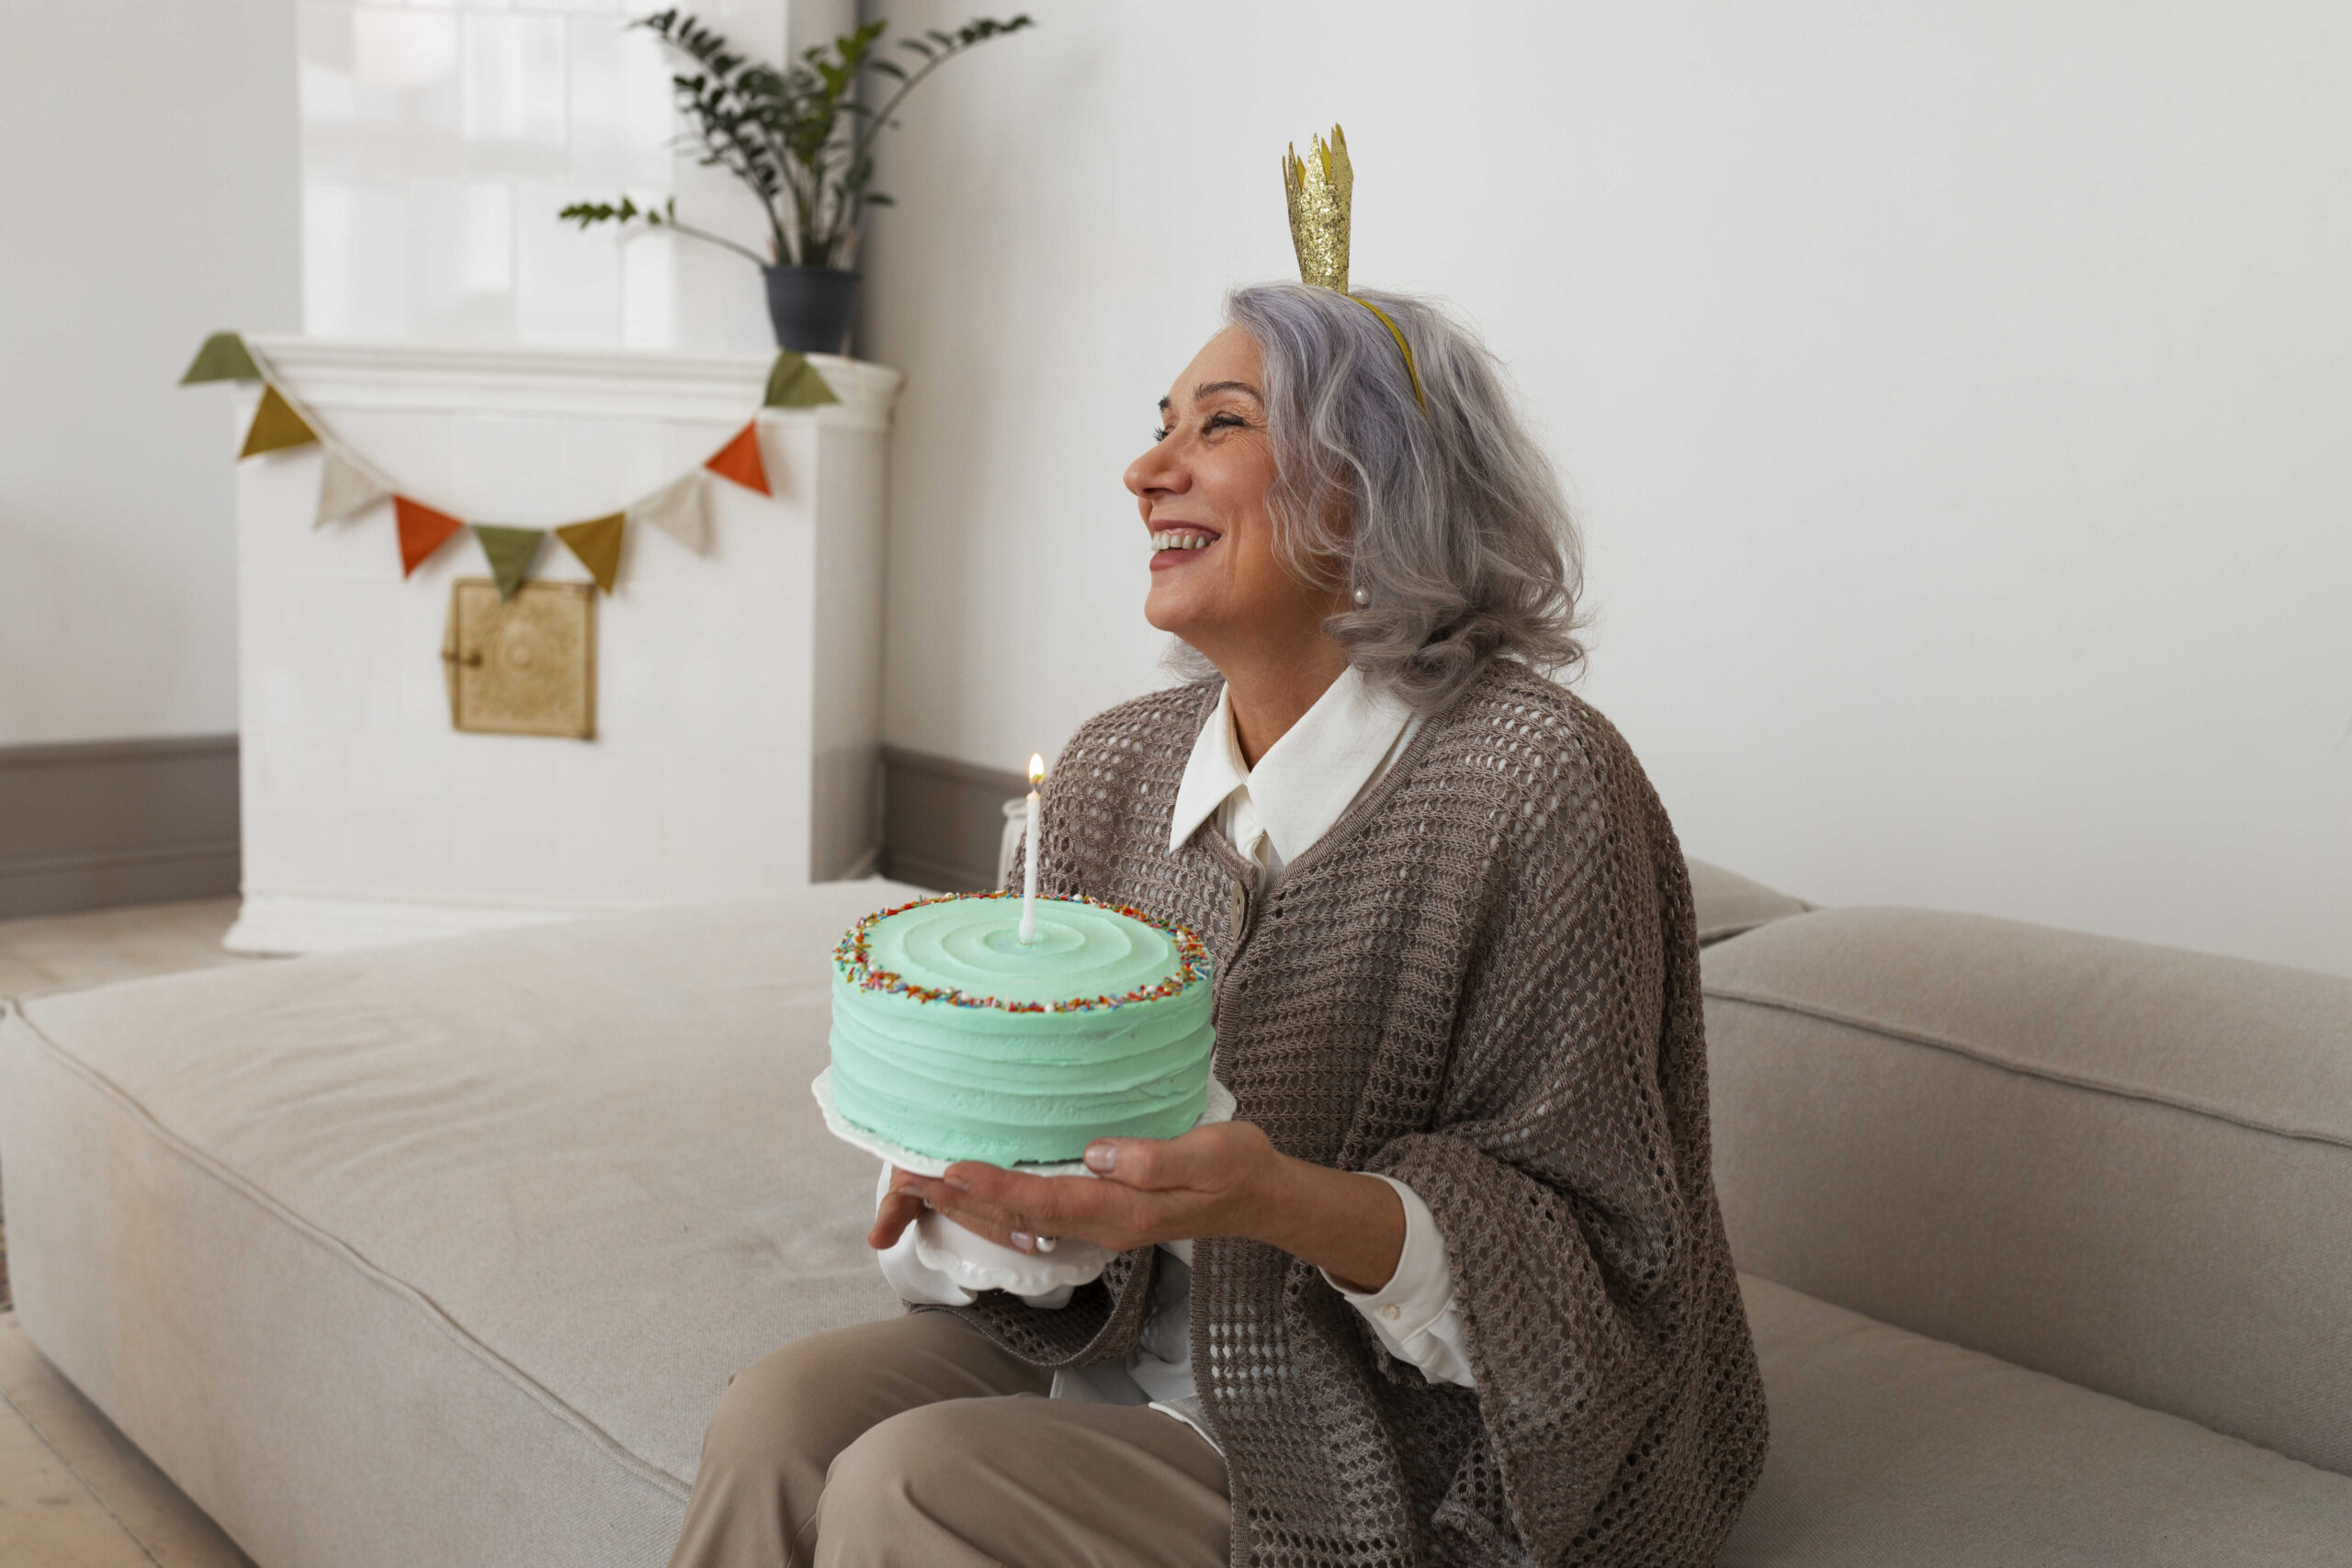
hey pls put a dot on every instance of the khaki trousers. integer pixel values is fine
(915, 1441)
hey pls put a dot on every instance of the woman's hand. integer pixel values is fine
(1223, 1179)
(897, 1210)
(1208, 1182)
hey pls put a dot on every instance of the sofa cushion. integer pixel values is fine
(1890, 1450)
(1729, 903)
(2125, 1165)
(441, 1254)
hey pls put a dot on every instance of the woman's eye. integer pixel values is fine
(1159, 434)
(1227, 422)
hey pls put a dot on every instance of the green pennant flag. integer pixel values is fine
(511, 552)
(276, 425)
(794, 383)
(223, 357)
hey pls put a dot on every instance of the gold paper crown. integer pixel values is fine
(1322, 193)
(1321, 188)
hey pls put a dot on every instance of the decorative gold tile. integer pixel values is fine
(524, 667)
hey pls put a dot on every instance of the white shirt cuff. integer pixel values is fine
(916, 1281)
(1414, 1314)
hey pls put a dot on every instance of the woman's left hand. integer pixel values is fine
(1225, 1179)
(1206, 1182)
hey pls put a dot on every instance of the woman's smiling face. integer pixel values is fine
(1204, 492)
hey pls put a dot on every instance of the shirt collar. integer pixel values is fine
(1212, 772)
(1307, 780)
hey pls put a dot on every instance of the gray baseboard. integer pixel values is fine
(943, 820)
(92, 824)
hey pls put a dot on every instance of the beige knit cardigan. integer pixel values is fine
(1483, 981)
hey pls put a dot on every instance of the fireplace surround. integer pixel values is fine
(739, 690)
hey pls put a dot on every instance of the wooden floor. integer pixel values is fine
(58, 952)
(75, 1493)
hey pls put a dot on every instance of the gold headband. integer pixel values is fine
(1321, 189)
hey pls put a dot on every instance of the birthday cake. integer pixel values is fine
(953, 1039)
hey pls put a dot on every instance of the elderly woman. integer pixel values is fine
(1453, 1286)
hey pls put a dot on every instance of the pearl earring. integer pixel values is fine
(1363, 597)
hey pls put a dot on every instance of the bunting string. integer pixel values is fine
(349, 484)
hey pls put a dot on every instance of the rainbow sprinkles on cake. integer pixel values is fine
(954, 1040)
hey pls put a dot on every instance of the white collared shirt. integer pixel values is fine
(1274, 812)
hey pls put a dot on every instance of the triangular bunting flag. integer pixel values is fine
(345, 489)
(275, 426)
(794, 383)
(597, 543)
(740, 460)
(423, 530)
(510, 552)
(223, 357)
(677, 510)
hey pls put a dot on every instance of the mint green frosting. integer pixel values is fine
(971, 1082)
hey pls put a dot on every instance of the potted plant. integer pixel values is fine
(804, 145)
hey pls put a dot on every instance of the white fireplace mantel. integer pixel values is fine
(591, 382)
(738, 692)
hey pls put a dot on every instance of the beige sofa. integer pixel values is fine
(441, 1254)
(2058, 1237)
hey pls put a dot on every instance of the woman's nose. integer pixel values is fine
(1156, 472)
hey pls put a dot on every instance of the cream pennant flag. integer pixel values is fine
(345, 489)
(678, 510)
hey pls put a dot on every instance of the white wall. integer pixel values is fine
(147, 156)
(1955, 395)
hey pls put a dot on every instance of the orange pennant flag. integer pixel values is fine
(740, 460)
(423, 530)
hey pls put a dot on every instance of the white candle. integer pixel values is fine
(1034, 853)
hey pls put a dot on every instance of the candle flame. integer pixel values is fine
(1037, 768)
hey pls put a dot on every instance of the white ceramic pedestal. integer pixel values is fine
(738, 693)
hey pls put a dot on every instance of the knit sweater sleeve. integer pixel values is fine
(1567, 1170)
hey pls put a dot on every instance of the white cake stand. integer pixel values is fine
(973, 1260)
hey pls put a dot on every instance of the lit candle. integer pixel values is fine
(1029, 867)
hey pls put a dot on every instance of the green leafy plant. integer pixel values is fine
(798, 136)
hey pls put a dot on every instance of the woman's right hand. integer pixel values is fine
(897, 1210)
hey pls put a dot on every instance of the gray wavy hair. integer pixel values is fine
(1451, 524)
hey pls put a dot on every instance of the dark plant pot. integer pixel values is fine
(810, 307)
